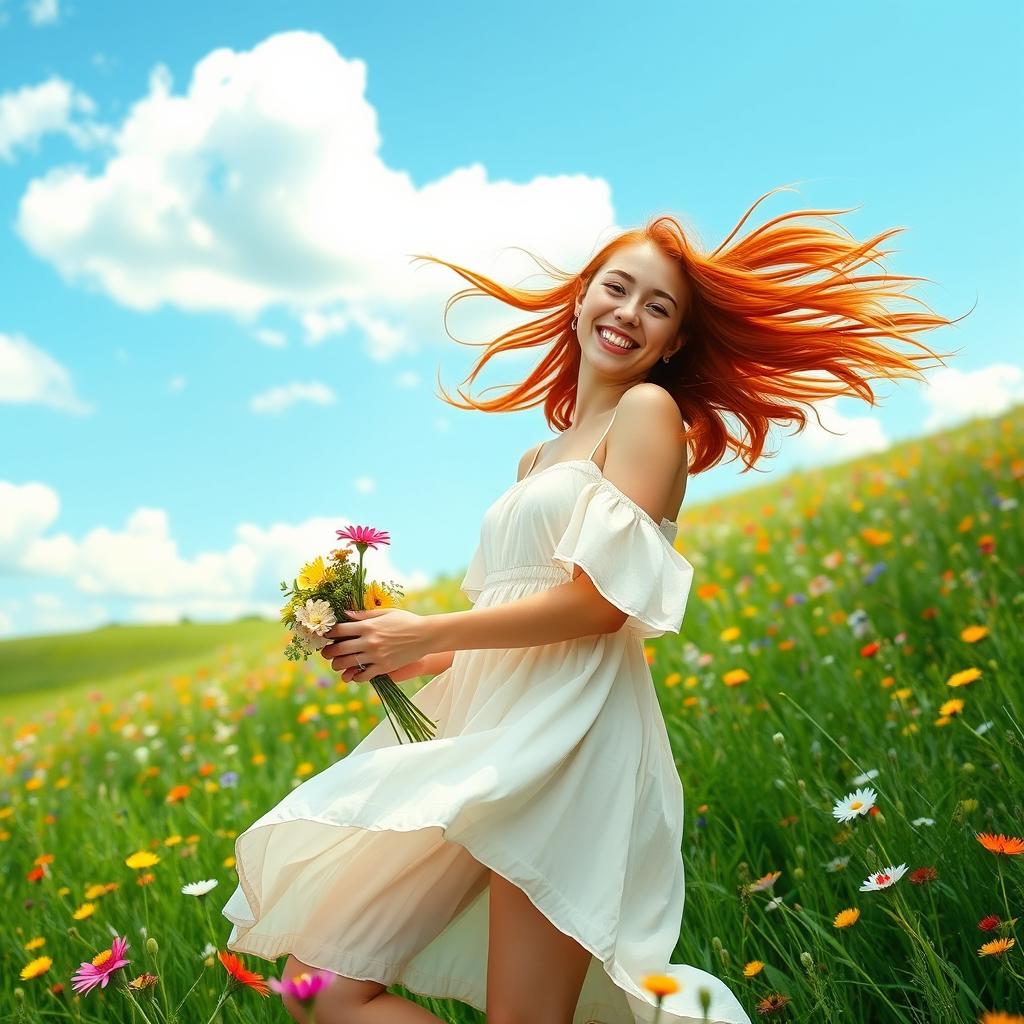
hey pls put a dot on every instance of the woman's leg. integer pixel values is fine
(535, 973)
(351, 1001)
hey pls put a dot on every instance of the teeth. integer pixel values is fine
(614, 339)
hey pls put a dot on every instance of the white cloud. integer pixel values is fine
(365, 484)
(263, 185)
(141, 560)
(30, 375)
(43, 12)
(29, 113)
(407, 379)
(276, 400)
(6, 624)
(176, 383)
(270, 338)
(815, 446)
(953, 396)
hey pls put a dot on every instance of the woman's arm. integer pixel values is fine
(564, 612)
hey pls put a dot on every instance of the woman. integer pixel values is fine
(527, 860)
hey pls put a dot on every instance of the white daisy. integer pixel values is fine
(199, 888)
(884, 878)
(312, 640)
(866, 777)
(918, 822)
(316, 616)
(860, 801)
(837, 864)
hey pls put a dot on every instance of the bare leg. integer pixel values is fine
(350, 1001)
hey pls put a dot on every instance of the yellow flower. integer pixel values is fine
(845, 918)
(94, 892)
(304, 769)
(952, 707)
(35, 944)
(972, 634)
(312, 574)
(35, 967)
(375, 597)
(728, 634)
(735, 677)
(752, 968)
(142, 859)
(968, 675)
(997, 947)
(84, 911)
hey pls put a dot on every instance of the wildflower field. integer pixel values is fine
(844, 703)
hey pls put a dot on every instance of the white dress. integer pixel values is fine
(550, 765)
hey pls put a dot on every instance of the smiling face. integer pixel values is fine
(639, 295)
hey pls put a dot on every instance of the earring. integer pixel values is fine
(575, 320)
(665, 359)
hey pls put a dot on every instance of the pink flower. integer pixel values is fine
(304, 986)
(103, 965)
(365, 535)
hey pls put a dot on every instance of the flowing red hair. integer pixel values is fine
(760, 333)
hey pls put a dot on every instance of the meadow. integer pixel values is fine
(852, 649)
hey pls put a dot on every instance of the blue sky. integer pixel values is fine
(214, 350)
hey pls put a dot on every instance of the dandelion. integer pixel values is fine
(142, 859)
(103, 965)
(34, 944)
(774, 1003)
(735, 676)
(846, 918)
(856, 803)
(199, 888)
(997, 947)
(1009, 846)
(964, 678)
(883, 879)
(952, 707)
(35, 967)
(753, 968)
(972, 634)
(84, 911)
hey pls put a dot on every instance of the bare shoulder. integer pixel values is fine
(648, 420)
(527, 459)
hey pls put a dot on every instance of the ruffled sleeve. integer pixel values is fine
(631, 561)
(473, 582)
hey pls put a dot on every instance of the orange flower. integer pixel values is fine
(177, 793)
(772, 1004)
(997, 947)
(1009, 846)
(972, 634)
(998, 1017)
(967, 676)
(660, 985)
(242, 975)
(752, 968)
(735, 677)
(846, 918)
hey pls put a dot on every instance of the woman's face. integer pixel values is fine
(639, 294)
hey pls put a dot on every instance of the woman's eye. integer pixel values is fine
(664, 312)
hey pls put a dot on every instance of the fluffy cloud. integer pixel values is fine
(29, 113)
(815, 445)
(30, 375)
(142, 561)
(953, 396)
(276, 400)
(43, 12)
(263, 184)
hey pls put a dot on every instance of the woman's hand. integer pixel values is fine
(384, 640)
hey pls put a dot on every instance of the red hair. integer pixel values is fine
(760, 333)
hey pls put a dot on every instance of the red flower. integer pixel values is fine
(870, 650)
(922, 875)
(242, 975)
(989, 923)
(987, 544)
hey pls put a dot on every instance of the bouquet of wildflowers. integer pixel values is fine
(322, 592)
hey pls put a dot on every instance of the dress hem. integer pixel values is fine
(488, 858)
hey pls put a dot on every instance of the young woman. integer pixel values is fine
(527, 859)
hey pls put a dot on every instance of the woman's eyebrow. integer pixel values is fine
(630, 277)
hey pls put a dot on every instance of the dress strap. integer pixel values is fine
(603, 436)
(534, 462)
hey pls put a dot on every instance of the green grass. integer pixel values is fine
(829, 614)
